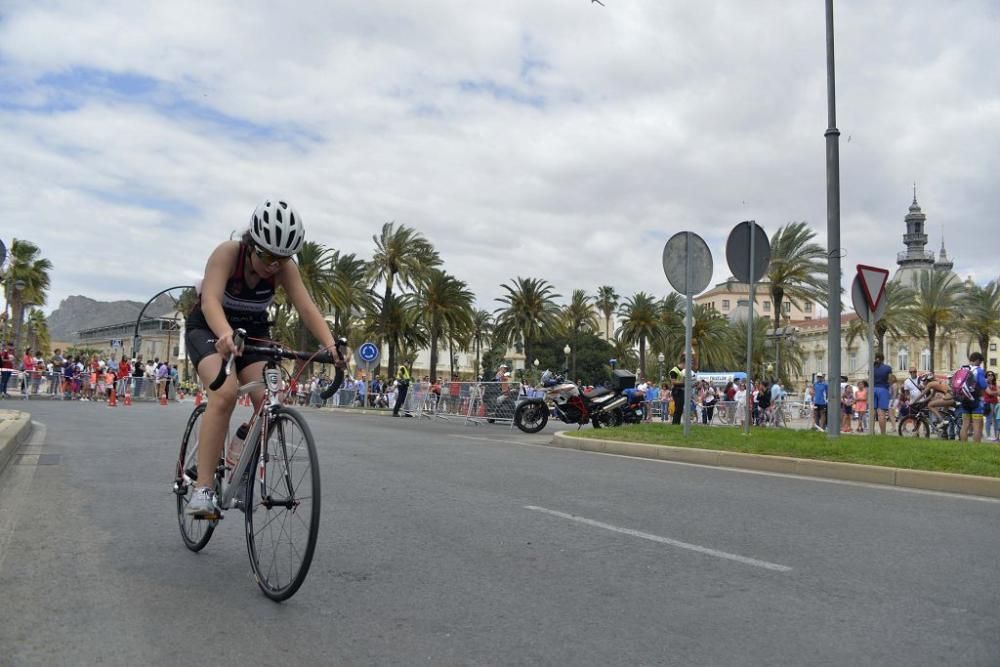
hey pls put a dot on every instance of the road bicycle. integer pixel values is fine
(275, 482)
(918, 423)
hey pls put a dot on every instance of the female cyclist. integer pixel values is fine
(239, 284)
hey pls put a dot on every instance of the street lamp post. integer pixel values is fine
(535, 364)
(566, 351)
(660, 359)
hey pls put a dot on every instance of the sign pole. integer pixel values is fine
(749, 407)
(687, 340)
(871, 372)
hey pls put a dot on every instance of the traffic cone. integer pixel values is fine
(197, 398)
(163, 398)
(112, 399)
(127, 400)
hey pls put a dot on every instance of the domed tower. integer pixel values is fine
(916, 257)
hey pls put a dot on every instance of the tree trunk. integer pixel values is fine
(383, 325)
(434, 352)
(642, 355)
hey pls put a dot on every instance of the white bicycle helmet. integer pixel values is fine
(277, 228)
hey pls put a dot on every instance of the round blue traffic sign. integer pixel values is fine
(368, 352)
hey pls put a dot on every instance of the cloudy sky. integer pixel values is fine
(555, 139)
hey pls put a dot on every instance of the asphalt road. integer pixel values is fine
(449, 544)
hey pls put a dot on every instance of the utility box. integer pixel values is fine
(621, 380)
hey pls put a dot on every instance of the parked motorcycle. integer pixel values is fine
(601, 406)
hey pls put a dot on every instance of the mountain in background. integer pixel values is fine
(80, 312)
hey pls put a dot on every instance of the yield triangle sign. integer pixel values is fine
(873, 280)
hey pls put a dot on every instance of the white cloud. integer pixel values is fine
(557, 140)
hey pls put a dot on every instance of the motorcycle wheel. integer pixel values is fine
(531, 417)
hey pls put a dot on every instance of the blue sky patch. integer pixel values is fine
(501, 92)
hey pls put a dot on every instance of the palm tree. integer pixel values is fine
(38, 331)
(578, 317)
(899, 301)
(798, 267)
(530, 310)
(712, 340)
(404, 255)
(640, 321)
(671, 338)
(349, 296)
(26, 266)
(445, 303)
(404, 330)
(935, 297)
(980, 313)
(624, 351)
(480, 334)
(606, 302)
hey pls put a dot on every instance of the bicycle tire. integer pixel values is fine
(912, 427)
(281, 464)
(195, 532)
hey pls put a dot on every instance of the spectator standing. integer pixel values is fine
(990, 395)
(861, 405)
(882, 380)
(846, 405)
(820, 407)
(6, 368)
(162, 380)
(974, 407)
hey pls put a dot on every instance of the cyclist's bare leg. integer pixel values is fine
(215, 422)
(939, 402)
(254, 371)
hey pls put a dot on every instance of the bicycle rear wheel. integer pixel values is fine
(283, 505)
(195, 532)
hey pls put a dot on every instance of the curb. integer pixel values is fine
(913, 479)
(15, 428)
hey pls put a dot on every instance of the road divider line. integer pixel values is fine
(664, 540)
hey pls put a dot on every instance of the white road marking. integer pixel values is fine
(665, 540)
(745, 471)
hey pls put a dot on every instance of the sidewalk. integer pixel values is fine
(15, 428)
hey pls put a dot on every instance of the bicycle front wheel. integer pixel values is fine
(914, 427)
(195, 532)
(283, 504)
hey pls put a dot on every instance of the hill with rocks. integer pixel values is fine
(80, 312)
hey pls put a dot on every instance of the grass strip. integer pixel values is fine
(966, 458)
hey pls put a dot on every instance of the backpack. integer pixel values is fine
(963, 384)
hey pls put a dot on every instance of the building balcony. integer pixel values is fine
(917, 256)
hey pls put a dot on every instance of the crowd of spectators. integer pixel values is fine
(75, 377)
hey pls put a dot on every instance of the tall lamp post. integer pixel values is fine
(566, 351)
(535, 364)
(660, 359)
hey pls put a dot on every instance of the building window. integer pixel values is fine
(809, 307)
(993, 361)
(904, 359)
(786, 307)
(993, 347)
(808, 317)
(925, 359)
(725, 304)
(767, 306)
(852, 360)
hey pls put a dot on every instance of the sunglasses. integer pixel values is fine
(268, 257)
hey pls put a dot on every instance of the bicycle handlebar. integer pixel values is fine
(276, 352)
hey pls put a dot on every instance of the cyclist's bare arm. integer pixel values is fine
(289, 278)
(217, 270)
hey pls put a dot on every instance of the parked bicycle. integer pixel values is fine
(275, 481)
